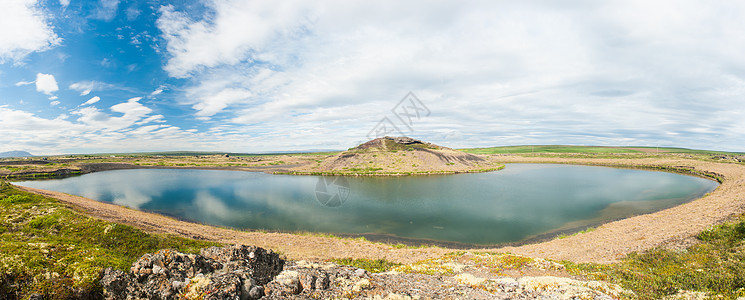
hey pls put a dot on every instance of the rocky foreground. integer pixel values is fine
(247, 272)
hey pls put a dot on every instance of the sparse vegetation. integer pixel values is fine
(716, 266)
(371, 265)
(48, 249)
(586, 230)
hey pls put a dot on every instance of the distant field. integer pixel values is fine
(195, 153)
(587, 149)
(525, 149)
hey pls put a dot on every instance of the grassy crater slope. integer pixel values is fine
(398, 156)
(51, 250)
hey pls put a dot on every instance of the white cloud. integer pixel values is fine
(131, 112)
(64, 3)
(91, 100)
(240, 27)
(22, 83)
(157, 92)
(96, 131)
(46, 83)
(106, 9)
(150, 119)
(86, 87)
(24, 29)
(493, 73)
(132, 13)
(91, 115)
(83, 88)
(53, 98)
(54, 103)
(210, 104)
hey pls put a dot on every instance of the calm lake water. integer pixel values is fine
(516, 203)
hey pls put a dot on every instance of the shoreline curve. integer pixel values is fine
(674, 227)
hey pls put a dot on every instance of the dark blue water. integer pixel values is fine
(518, 202)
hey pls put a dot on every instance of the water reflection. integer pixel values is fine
(509, 205)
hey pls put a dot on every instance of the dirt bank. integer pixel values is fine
(674, 227)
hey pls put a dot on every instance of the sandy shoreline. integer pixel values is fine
(673, 227)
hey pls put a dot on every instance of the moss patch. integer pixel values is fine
(371, 265)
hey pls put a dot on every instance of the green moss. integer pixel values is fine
(49, 249)
(46, 222)
(16, 199)
(374, 266)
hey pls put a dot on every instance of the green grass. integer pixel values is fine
(716, 266)
(373, 266)
(586, 230)
(49, 249)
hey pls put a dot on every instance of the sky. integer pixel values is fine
(102, 76)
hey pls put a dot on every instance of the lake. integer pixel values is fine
(520, 202)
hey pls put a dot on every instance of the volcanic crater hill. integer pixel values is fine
(398, 156)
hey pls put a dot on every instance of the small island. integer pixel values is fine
(396, 156)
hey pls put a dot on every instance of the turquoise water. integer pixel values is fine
(519, 202)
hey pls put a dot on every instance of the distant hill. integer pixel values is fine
(15, 154)
(398, 155)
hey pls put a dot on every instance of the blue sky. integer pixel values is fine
(254, 76)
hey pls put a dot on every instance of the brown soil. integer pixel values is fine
(674, 227)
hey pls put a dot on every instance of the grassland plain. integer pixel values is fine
(692, 249)
(69, 165)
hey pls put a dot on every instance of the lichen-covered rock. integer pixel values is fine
(286, 283)
(232, 272)
(262, 265)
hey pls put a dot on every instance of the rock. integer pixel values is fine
(262, 265)
(287, 283)
(232, 272)
(226, 286)
(256, 292)
(508, 284)
(567, 288)
(360, 273)
(117, 284)
(312, 279)
(245, 272)
(360, 285)
(469, 279)
(35, 296)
